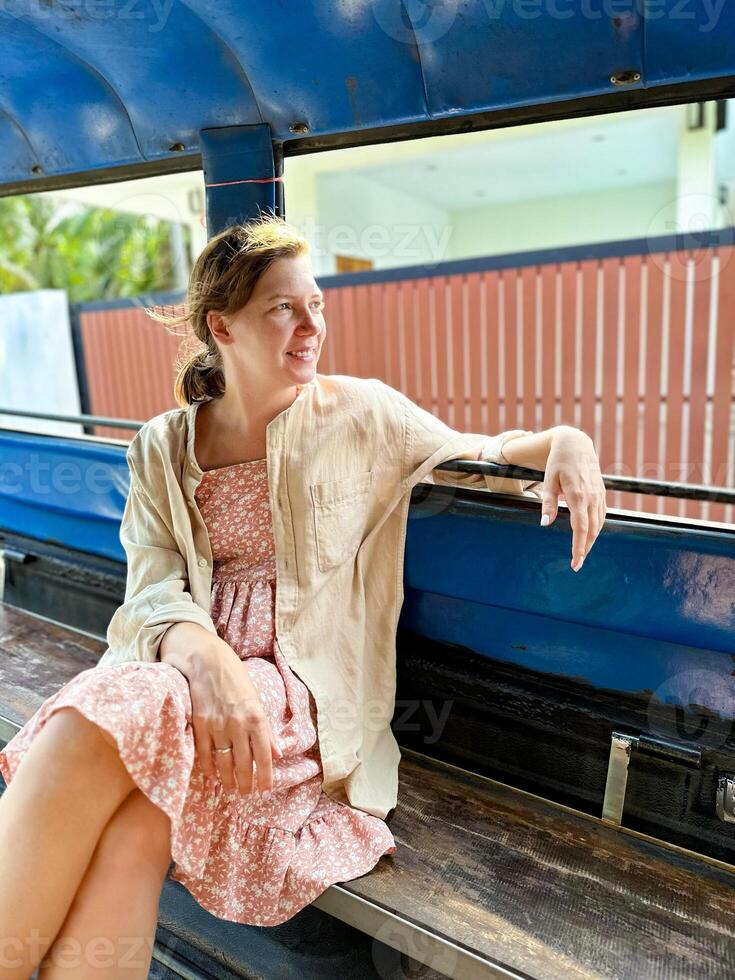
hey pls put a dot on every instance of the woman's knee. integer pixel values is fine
(138, 836)
(73, 731)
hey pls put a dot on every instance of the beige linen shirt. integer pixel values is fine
(341, 461)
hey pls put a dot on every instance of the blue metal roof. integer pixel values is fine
(96, 84)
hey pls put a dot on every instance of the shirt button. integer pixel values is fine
(202, 562)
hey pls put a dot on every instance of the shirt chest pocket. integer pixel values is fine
(340, 509)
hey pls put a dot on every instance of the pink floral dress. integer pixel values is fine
(249, 859)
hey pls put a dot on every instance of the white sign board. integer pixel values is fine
(37, 368)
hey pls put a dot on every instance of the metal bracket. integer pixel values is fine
(621, 749)
(726, 798)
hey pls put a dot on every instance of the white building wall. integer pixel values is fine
(556, 222)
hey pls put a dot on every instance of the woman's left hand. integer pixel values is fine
(573, 471)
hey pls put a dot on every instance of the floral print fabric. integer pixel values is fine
(251, 859)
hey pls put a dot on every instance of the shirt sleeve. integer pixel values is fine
(157, 587)
(425, 434)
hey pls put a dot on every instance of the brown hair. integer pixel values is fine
(223, 279)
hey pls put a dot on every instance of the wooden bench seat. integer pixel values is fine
(487, 881)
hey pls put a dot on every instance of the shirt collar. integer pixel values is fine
(191, 412)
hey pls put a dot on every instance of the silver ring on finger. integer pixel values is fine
(228, 749)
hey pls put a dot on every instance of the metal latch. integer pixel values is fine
(621, 749)
(726, 798)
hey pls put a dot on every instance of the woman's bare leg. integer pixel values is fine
(110, 929)
(52, 814)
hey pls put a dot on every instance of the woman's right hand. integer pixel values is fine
(226, 710)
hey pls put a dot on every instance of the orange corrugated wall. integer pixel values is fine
(637, 351)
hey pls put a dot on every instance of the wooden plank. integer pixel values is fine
(724, 384)
(327, 357)
(440, 361)
(36, 659)
(392, 353)
(588, 393)
(409, 340)
(423, 339)
(609, 462)
(568, 340)
(675, 472)
(700, 343)
(630, 354)
(549, 345)
(543, 890)
(652, 460)
(375, 328)
(492, 293)
(460, 353)
(527, 333)
(510, 337)
(472, 312)
(361, 325)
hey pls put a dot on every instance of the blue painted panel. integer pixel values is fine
(96, 85)
(16, 155)
(688, 40)
(521, 54)
(69, 492)
(229, 157)
(64, 107)
(329, 64)
(650, 602)
(599, 656)
(166, 75)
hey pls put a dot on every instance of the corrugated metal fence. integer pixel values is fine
(636, 349)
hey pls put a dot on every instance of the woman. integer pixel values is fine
(268, 472)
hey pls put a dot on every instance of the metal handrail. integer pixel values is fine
(81, 419)
(656, 488)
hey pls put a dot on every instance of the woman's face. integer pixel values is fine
(283, 314)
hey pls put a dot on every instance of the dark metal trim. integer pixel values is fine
(174, 164)
(594, 105)
(620, 100)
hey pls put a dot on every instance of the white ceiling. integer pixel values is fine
(604, 154)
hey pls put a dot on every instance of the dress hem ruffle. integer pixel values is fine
(292, 851)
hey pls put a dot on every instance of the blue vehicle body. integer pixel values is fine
(325, 73)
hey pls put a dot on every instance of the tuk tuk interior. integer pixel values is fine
(567, 821)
